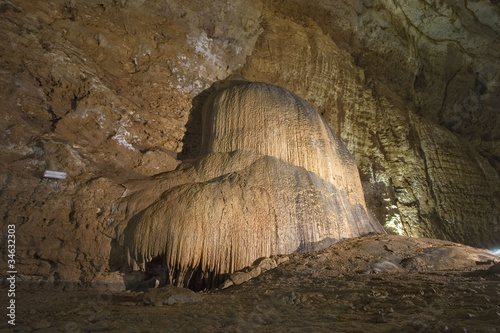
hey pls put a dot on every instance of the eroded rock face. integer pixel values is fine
(272, 178)
(103, 90)
(360, 77)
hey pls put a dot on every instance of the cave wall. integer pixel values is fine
(103, 91)
(413, 168)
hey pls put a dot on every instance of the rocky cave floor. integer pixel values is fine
(375, 283)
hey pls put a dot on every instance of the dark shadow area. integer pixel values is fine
(201, 280)
(191, 142)
(316, 246)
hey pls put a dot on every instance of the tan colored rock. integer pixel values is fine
(280, 259)
(271, 121)
(154, 162)
(226, 284)
(107, 92)
(266, 263)
(169, 295)
(254, 271)
(271, 178)
(240, 277)
(393, 253)
(113, 282)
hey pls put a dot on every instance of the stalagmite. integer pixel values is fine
(271, 178)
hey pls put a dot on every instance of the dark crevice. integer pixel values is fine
(420, 82)
(445, 95)
(54, 118)
(71, 216)
(195, 279)
(76, 99)
(191, 142)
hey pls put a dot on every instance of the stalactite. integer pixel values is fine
(271, 178)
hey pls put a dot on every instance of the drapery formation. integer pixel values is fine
(271, 178)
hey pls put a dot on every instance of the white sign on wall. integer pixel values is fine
(54, 174)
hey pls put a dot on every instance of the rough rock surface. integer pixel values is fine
(103, 90)
(337, 289)
(271, 178)
(412, 168)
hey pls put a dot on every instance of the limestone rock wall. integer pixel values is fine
(104, 90)
(412, 169)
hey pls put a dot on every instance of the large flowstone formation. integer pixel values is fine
(271, 178)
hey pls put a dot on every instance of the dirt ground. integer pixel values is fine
(370, 284)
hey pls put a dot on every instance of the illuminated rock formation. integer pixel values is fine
(271, 178)
(102, 90)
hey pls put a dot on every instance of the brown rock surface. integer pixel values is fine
(105, 92)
